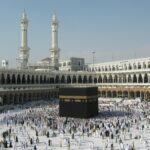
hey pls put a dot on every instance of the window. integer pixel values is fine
(69, 63)
(64, 64)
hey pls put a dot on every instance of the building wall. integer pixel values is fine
(129, 82)
(73, 64)
(131, 64)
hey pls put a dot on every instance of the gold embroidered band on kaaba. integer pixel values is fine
(77, 97)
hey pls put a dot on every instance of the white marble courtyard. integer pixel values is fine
(35, 126)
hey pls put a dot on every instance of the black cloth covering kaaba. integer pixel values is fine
(78, 102)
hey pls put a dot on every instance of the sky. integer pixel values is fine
(113, 29)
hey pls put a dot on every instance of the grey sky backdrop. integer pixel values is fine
(114, 29)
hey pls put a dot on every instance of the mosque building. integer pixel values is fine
(125, 78)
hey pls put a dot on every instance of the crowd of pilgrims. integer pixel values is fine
(44, 120)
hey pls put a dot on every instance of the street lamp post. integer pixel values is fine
(93, 59)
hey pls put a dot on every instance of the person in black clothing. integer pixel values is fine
(5, 143)
(49, 142)
(47, 134)
(10, 144)
(112, 147)
(16, 139)
(31, 141)
(35, 147)
(36, 133)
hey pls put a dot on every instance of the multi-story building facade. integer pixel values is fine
(72, 64)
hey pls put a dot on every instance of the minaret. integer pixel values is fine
(54, 49)
(24, 49)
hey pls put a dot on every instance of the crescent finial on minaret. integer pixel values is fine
(54, 17)
(24, 15)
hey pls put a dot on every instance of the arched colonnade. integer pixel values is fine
(116, 93)
(119, 66)
(19, 97)
(80, 79)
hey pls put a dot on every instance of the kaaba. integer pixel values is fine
(78, 102)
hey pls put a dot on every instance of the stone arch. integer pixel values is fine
(100, 79)
(114, 94)
(129, 67)
(129, 78)
(146, 78)
(148, 64)
(88, 69)
(13, 79)
(140, 79)
(16, 99)
(144, 65)
(85, 79)
(103, 93)
(132, 95)
(113, 68)
(124, 78)
(90, 79)
(105, 79)
(109, 94)
(41, 79)
(115, 79)
(137, 93)
(18, 79)
(28, 79)
(11, 99)
(92, 69)
(117, 67)
(74, 80)
(44, 80)
(63, 79)
(139, 65)
(3, 79)
(125, 67)
(57, 79)
(99, 69)
(109, 68)
(134, 78)
(119, 93)
(5, 99)
(24, 97)
(37, 79)
(48, 80)
(125, 94)
(23, 79)
(134, 66)
(120, 79)
(8, 80)
(29, 96)
(20, 98)
(1, 101)
(95, 80)
(68, 79)
(52, 80)
(79, 79)
(110, 79)
(32, 79)
(142, 95)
